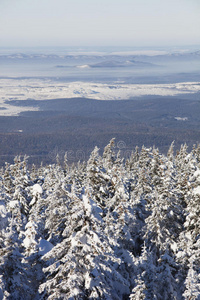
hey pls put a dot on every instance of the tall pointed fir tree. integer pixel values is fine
(96, 178)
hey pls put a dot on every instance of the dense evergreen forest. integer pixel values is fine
(108, 228)
(77, 125)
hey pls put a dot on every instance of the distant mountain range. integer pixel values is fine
(106, 58)
(108, 61)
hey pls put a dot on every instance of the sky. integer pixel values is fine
(124, 23)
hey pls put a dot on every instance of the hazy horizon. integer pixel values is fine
(127, 23)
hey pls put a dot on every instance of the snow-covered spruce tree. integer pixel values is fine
(188, 254)
(140, 197)
(82, 266)
(154, 280)
(7, 180)
(55, 200)
(166, 218)
(192, 222)
(196, 152)
(3, 227)
(131, 162)
(192, 283)
(19, 171)
(17, 196)
(33, 173)
(106, 178)
(17, 203)
(145, 278)
(115, 177)
(108, 185)
(53, 175)
(120, 223)
(56, 212)
(45, 197)
(184, 169)
(170, 153)
(164, 224)
(142, 188)
(139, 291)
(131, 166)
(97, 179)
(156, 168)
(76, 175)
(14, 273)
(109, 155)
(117, 210)
(29, 242)
(37, 209)
(119, 215)
(108, 172)
(32, 248)
(168, 285)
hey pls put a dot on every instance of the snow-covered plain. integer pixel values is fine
(46, 89)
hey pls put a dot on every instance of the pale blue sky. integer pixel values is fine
(134, 23)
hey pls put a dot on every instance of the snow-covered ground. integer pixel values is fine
(45, 89)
